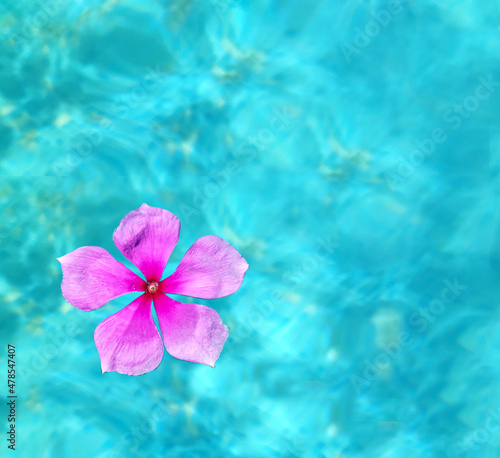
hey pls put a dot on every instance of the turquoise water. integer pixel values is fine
(349, 151)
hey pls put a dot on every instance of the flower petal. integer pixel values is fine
(128, 341)
(190, 332)
(211, 268)
(92, 277)
(146, 237)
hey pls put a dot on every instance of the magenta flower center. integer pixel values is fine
(152, 287)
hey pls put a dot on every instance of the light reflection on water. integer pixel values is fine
(268, 125)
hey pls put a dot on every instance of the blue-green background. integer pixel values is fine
(314, 365)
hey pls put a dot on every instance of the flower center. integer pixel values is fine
(152, 287)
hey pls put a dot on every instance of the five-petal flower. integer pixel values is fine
(128, 341)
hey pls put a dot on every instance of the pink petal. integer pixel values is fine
(211, 268)
(190, 332)
(92, 277)
(146, 237)
(128, 341)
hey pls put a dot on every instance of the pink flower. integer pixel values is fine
(128, 341)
